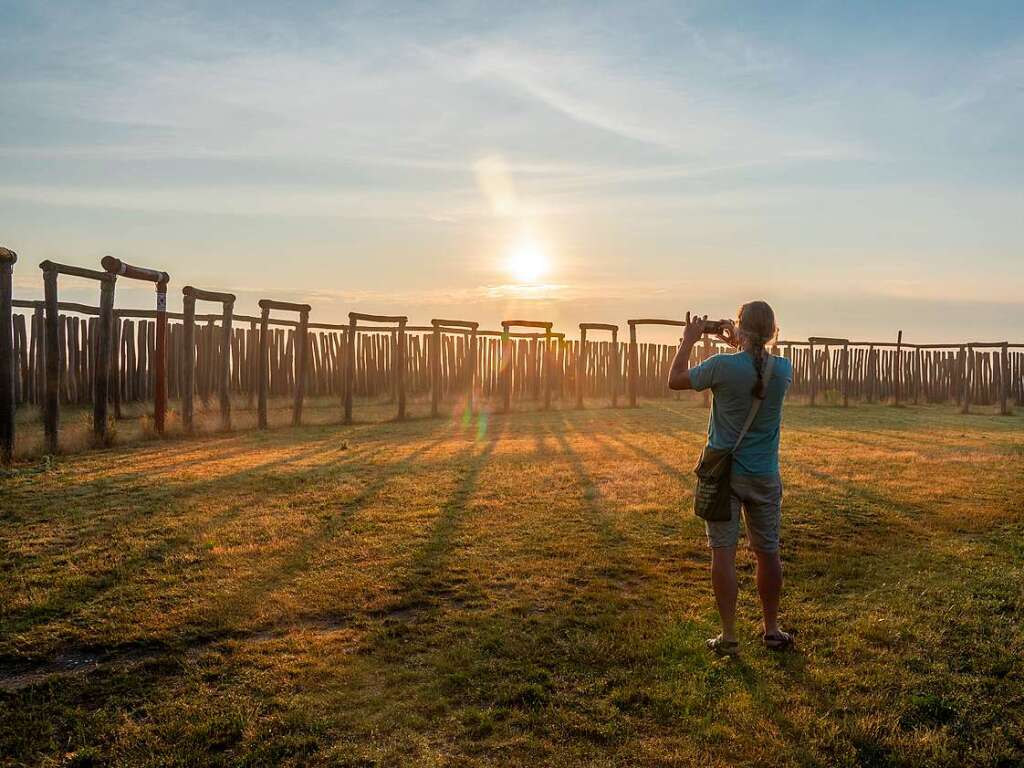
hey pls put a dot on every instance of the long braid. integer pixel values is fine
(756, 328)
(758, 353)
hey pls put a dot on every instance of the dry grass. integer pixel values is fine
(525, 590)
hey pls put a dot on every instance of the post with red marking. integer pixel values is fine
(117, 267)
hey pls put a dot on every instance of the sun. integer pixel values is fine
(527, 262)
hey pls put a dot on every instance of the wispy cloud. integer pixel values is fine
(637, 140)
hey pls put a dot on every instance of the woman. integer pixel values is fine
(736, 379)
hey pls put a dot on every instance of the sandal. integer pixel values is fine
(723, 647)
(778, 641)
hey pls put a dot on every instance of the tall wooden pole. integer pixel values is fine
(263, 368)
(188, 385)
(1004, 376)
(633, 366)
(225, 365)
(39, 320)
(581, 368)
(965, 383)
(872, 372)
(473, 365)
(101, 370)
(350, 368)
(7, 260)
(51, 409)
(506, 370)
(400, 369)
(253, 361)
(160, 367)
(917, 375)
(812, 362)
(115, 364)
(614, 363)
(547, 372)
(435, 371)
(897, 370)
(301, 362)
(846, 375)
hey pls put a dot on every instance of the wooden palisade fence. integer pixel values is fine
(55, 353)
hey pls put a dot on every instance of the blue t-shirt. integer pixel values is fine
(731, 377)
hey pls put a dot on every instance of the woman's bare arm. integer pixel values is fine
(679, 373)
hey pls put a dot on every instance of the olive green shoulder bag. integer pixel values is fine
(711, 497)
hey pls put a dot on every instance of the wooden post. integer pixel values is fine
(1004, 375)
(7, 404)
(225, 364)
(872, 369)
(51, 410)
(917, 375)
(846, 374)
(39, 336)
(399, 364)
(965, 384)
(581, 367)
(189, 362)
(547, 372)
(897, 372)
(263, 368)
(101, 370)
(160, 367)
(812, 362)
(350, 368)
(633, 366)
(435, 371)
(301, 346)
(506, 370)
(253, 361)
(115, 361)
(614, 363)
(472, 369)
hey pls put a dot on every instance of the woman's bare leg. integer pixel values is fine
(769, 587)
(723, 579)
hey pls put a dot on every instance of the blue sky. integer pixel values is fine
(859, 165)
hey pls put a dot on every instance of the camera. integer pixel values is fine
(715, 326)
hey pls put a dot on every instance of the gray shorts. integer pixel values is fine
(760, 497)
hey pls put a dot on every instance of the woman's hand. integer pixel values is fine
(679, 372)
(693, 331)
(728, 334)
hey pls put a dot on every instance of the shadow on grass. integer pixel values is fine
(75, 595)
(236, 604)
(427, 585)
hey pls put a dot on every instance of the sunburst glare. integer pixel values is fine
(527, 262)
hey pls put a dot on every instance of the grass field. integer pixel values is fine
(524, 590)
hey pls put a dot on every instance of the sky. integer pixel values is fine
(858, 165)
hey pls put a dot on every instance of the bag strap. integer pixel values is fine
(755, 406)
